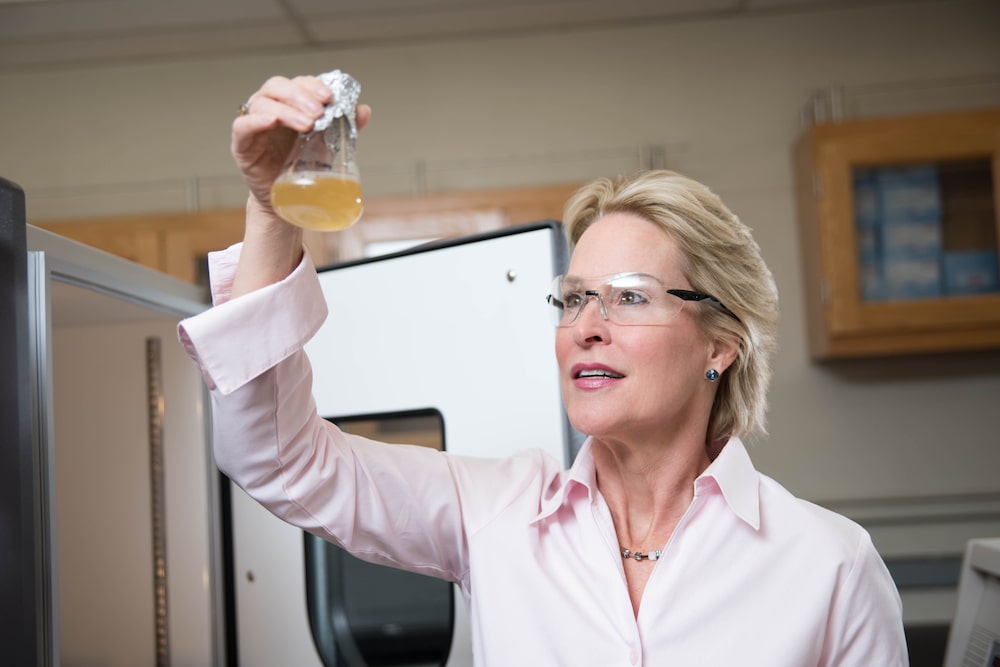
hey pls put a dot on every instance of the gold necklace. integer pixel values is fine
(638, 555)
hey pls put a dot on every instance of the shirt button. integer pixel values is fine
(633, 657)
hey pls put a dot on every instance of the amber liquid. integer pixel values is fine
(324, 202)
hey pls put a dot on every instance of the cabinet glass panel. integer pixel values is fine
(926, 230)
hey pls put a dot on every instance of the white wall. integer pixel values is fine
(104, 527)
(720, 97)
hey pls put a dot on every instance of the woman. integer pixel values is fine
(662, 545)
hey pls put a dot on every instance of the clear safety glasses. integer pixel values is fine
(624, 298)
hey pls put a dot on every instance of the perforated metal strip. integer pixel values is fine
(157, 498)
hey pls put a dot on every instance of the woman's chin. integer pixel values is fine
(593, 425)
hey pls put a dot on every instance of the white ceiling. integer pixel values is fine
(58, 32)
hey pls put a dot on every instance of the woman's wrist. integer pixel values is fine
(262, 217)
(272, 248)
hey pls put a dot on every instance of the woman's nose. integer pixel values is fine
(594, 295)
(592, 323)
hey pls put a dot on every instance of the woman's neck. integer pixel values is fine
(647, 488)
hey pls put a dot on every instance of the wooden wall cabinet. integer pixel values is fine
(868, 190)
(172, 243)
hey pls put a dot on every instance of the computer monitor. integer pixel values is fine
(974, 640)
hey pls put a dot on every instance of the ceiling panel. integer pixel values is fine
(608, 8)
(52, 32)
(126, 46)
(349, 7)
(23, 21)
(490, 16)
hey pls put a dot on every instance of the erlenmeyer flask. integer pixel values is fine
(320, 187)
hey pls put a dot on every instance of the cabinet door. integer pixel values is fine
(899, 223)
(102, 401)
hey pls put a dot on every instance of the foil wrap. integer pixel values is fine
(346, 90)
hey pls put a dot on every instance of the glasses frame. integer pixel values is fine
(683, 294)
(691, 295)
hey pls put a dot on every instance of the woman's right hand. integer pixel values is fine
(262, 139)
(275, 114)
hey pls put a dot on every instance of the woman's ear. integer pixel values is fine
(722, 353)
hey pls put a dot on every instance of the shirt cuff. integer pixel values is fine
(238, 339)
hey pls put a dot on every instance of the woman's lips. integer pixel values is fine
(594, 376)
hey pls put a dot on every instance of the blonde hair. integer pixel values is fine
(722, 259)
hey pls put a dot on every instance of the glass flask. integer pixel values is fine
(320, 186)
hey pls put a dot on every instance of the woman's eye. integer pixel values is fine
(572, 300)
(631, 298)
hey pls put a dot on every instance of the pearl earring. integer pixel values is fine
(712, 375)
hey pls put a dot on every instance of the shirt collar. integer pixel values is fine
(732, 472)
(737, 479)
(581, 475)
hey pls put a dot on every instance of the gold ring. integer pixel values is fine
(244, 108)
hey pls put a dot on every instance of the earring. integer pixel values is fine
(712, 375)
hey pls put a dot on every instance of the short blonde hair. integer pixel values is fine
(722, 259)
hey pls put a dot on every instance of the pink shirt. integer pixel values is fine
(752, 576)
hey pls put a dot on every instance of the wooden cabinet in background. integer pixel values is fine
(172, 243)
(899, 222)
(177, 243)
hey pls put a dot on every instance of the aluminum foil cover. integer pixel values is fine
(346, 90)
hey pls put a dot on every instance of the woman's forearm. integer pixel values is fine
(272, 249)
